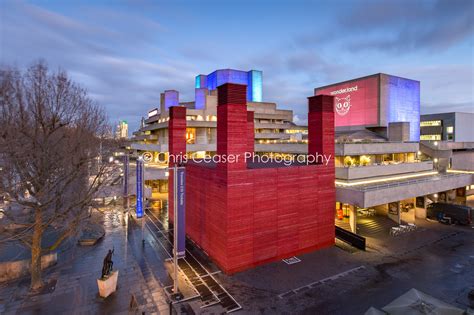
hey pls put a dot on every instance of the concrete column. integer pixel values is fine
(394, 212)
(201, 136)
(353, 218)
(420, 207)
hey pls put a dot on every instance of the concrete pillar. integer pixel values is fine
(353, 218)
(232, 125)
(399, 131)
(451, 196)
(420, 207)
(201, 136)
(394, 212)
(176, 147)
(321, 126)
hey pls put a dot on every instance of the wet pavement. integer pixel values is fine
(437, 259)
(75, 276)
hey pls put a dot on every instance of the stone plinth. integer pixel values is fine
(109, 285)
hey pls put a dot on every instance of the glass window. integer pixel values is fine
(430, 123)
(430, 137)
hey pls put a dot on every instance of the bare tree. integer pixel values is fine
(50, 131)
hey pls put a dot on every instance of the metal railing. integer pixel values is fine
(370, 187)
(351, 238)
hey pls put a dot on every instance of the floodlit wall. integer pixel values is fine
(243, 216)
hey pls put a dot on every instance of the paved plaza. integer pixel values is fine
(436, 259)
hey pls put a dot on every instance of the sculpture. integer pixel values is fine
(108, 264)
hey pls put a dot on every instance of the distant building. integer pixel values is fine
(456, 127)
(380, 165)
(375, 101)
(121, 131)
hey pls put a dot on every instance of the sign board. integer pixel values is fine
(139, 210)
(356, 101)
(181, 203)
(153, 112)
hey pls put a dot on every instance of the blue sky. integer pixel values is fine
(127, 52)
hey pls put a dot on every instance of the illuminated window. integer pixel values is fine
(430, 123)
(190, 135)
(430, 137)
(292, 131)
(450, 129)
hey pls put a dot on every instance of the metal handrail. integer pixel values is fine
(402, 183)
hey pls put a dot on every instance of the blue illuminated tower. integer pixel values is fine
(253, 79)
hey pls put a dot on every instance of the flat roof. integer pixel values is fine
(364, 77)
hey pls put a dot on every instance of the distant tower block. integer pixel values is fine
(169, 98)
(200, 98)
(252, 78)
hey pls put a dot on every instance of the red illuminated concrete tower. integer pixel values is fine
(250, 132)
(245, 214)
(176, 147)
(321, 125)
(232, 124)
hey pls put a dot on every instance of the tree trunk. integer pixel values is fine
(35, 268)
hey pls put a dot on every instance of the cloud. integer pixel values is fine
(300, 120)
(403, 27)
(126, 55)
(126, 85)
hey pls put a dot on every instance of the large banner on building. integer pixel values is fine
(356, 102)
(181, 185)
(139, 210)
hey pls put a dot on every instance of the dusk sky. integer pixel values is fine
(127, 52)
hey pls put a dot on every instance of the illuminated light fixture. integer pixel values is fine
(385, 179)
(419, 152)
(435, 143)
(111, 159)
(435, 195)
(460, 172)
(435, 160)
(167, 174)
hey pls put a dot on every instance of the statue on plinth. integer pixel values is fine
(108, 264)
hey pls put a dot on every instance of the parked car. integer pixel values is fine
(458, 214)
